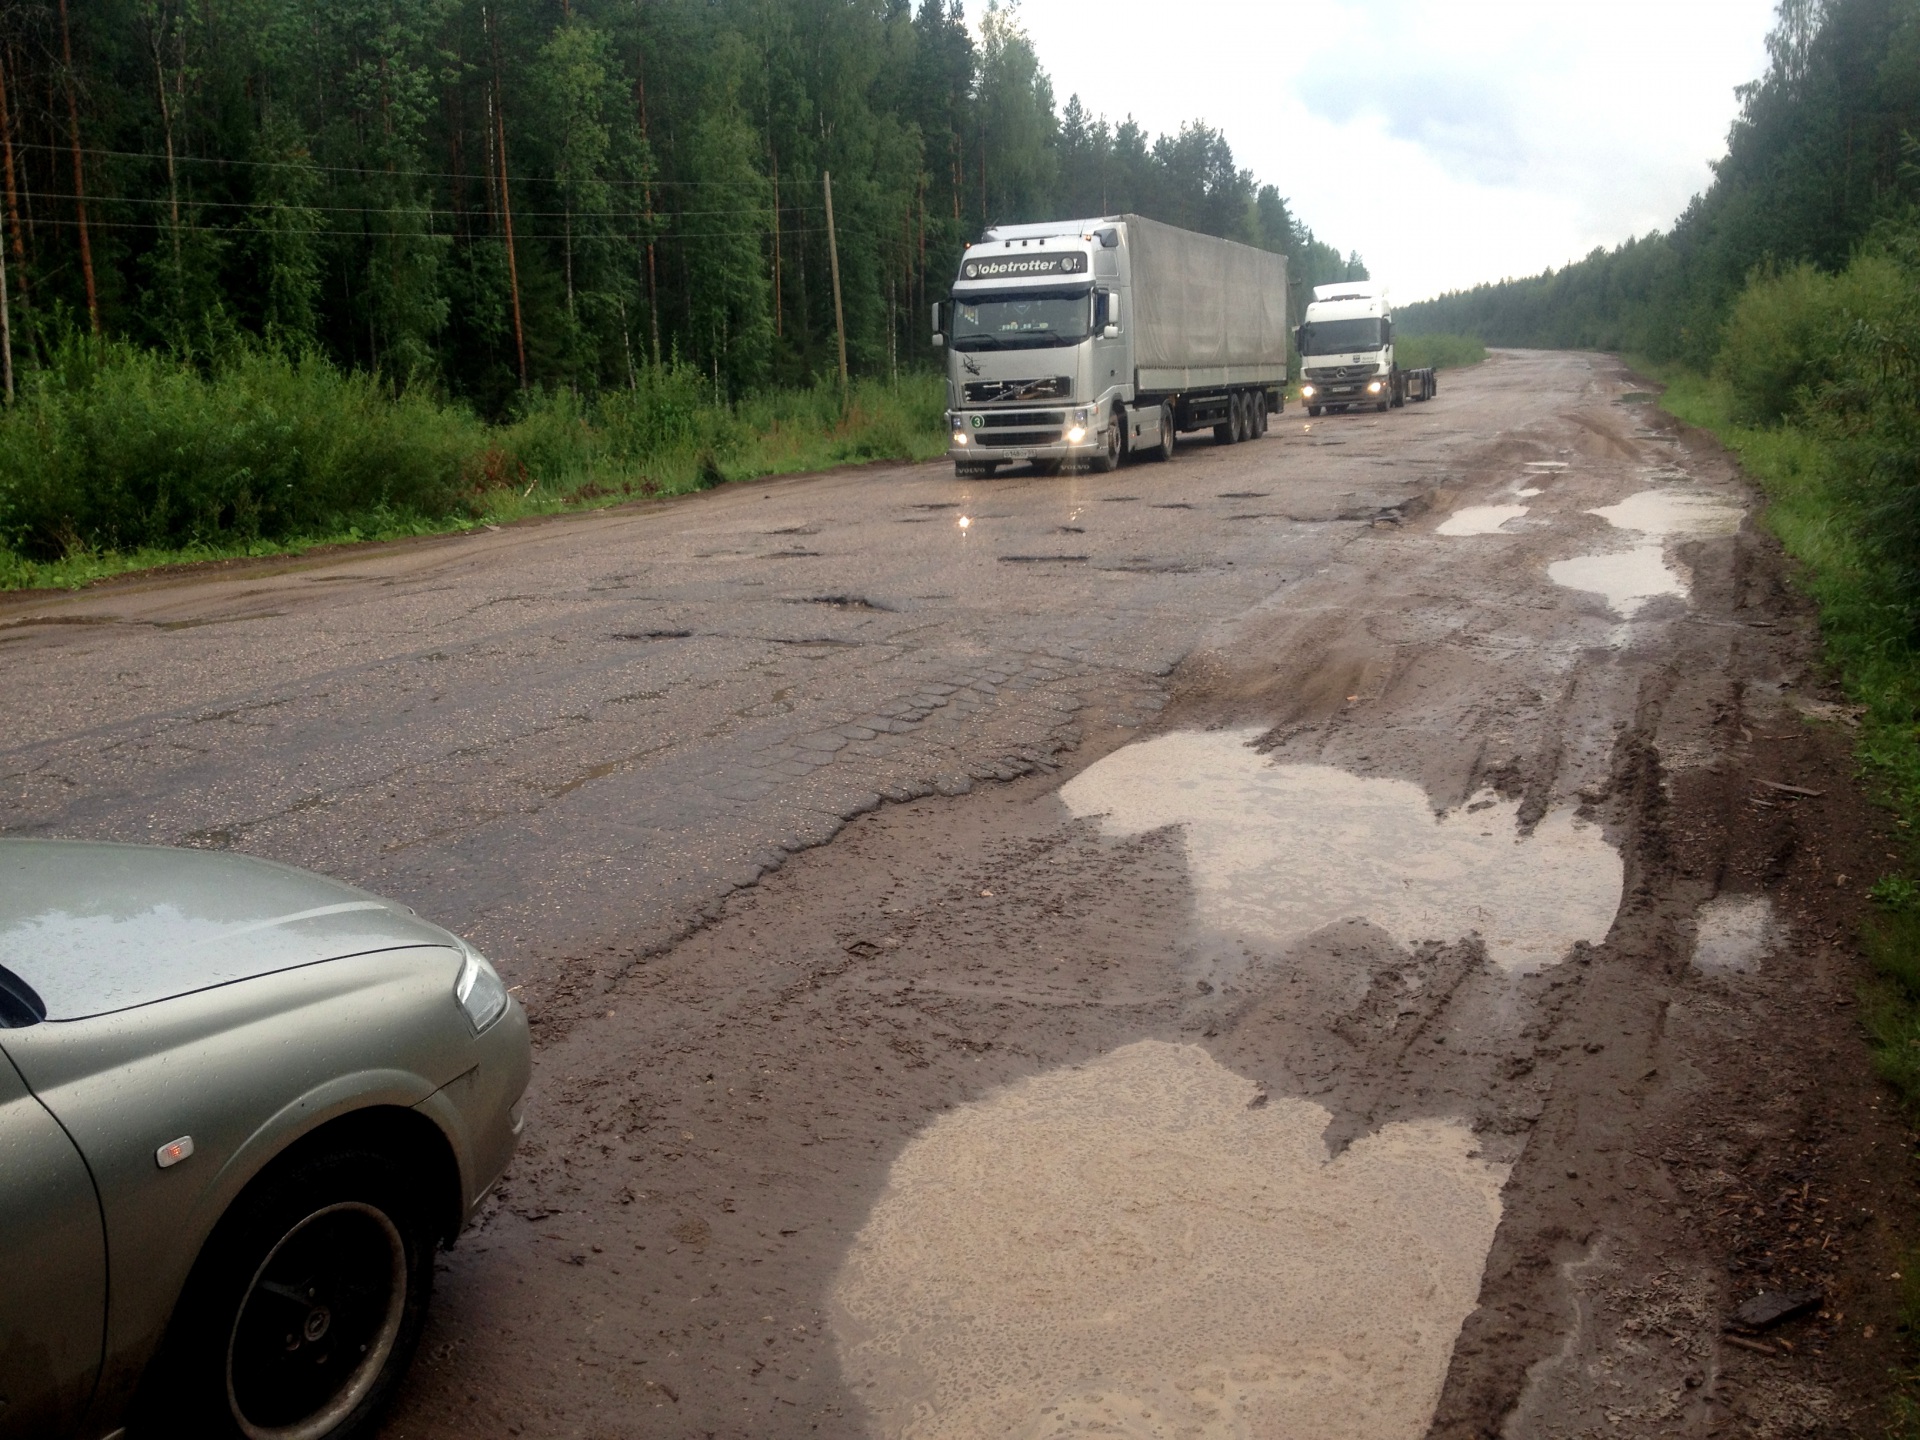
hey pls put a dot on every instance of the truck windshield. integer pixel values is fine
(1031, 320)
(1330, 337)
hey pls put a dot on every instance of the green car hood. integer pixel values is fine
(96, 928)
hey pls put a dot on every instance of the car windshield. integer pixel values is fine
(1330, 337)
(1031, 320)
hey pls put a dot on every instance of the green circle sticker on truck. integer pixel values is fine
(976, 420)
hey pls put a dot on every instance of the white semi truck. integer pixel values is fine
(1346, 352)
(1074, 343)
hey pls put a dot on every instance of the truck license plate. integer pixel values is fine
(1017, 453)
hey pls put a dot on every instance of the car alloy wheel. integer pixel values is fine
(318, 1323)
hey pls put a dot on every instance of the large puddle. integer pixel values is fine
(1628, 579)
(1137, 1247)
(1276, 852)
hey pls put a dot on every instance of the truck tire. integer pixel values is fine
(1165, 452)
(1108, 460)
(1313, 411)
(1259, 413)
(1243, 416)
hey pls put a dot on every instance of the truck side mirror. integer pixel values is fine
(1386, 332)
(939, 338)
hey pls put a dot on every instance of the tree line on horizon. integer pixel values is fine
(488, 197)
(1819, 159)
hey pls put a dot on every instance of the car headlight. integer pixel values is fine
(479, 991)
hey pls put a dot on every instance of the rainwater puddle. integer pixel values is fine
(1627, 578)
(1133, 1247)
(1669, 512)
(1630, 578)
(1279, 851)
(1480, 519)
(1733, 932)
(1527, 492)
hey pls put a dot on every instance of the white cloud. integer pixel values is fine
(1449, 143)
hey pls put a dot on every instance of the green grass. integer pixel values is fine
(116, 460)
(1437, 352)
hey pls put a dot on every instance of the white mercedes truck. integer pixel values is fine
(1346, 352)
(1075, 343)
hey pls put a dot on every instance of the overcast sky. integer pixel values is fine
(1449, 141)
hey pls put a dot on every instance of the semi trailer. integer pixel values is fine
(1075, 343)
(1346, 352)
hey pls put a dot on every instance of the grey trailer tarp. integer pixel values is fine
(1207, 312)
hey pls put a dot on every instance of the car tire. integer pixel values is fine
(321, 1260)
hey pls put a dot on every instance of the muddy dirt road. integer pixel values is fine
(1344, 935)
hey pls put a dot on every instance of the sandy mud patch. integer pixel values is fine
(1479, 519)
(1145, 1246)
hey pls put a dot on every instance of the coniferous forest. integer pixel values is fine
(495, 197)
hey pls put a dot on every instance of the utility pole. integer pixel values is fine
(506, 198)
(6, 331)
(79, 182)
(833, 259)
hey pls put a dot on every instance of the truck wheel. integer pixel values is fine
(1165, 452)
(1259, 413)
(1313, 411)
(1108, 459)
(1382, 407)
(1242, 417)
(1226, 432)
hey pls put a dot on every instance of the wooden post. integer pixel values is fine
(833, 260)
(506, 196)
(6, 331)
(79, 181)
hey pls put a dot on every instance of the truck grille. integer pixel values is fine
(1342, 372)
(995, 392)
(1021, 427)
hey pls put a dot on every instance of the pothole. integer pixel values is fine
(1278, 851)
(1140, 1247)
(1479, 519)
(1627, 579)
(1670, 512)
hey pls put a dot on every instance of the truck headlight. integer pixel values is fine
(1083, 417)
(479, 991)
(1374, 388)
(1076, 434)
(959, 437)
(1306, 392)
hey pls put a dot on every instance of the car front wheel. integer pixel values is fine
(304, 1313)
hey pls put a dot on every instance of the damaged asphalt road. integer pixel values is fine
(1344, 935)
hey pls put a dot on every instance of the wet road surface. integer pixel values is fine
(1306, 949)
